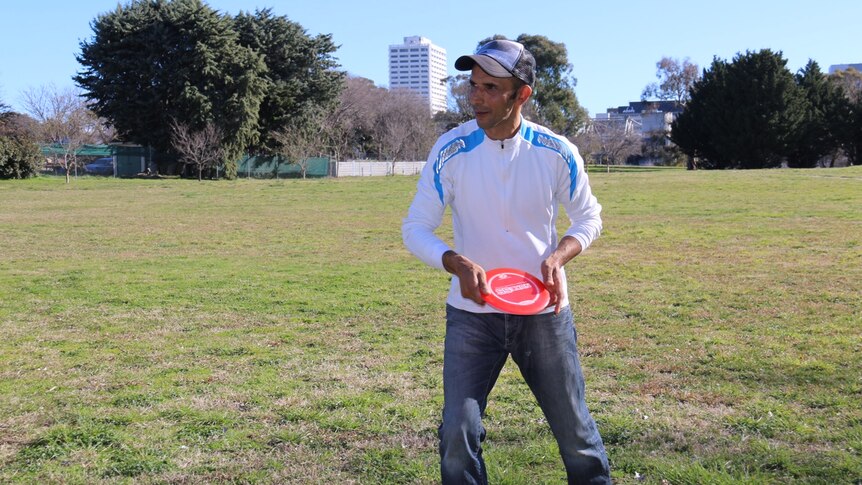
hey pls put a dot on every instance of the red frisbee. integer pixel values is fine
(515, 291)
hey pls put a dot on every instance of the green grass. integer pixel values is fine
(278, 332)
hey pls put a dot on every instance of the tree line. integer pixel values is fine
(153, 67)
(201, 88)
(752, 112)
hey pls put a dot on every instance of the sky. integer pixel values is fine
(613, 45)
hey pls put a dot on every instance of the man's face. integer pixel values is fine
(493, 101)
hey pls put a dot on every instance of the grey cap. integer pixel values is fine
(502, 58)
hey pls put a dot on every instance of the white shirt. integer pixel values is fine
(505, 196)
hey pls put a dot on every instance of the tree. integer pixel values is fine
(19, 157)
(374, 122)
(554, 103)
(816, 139)
(847, 124)
(348, 127)
(459, 110)
(742, 114)
(201, 148)
(300, 140)
(609, 142)
(657, 149)
(19, 154)
(153, 62)
(63, 119)
(850, 82)
(676, 79)
(300, 77)
(404, 129)
(351, 126)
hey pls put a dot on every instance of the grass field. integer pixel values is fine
(278, 332)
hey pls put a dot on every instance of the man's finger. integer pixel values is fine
(483, 284)
(551, 278)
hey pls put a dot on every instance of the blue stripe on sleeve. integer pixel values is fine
(462, 144)
(544, 140)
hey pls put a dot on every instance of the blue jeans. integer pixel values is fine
(544, 348)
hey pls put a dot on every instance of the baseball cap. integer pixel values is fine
(502, 58)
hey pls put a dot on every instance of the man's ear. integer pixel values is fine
(524, 93)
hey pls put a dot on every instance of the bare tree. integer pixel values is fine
(850, 81)
(675, 80)
(373, 121)
(302, 139)
(348, 127)
(62, 119)
(200, 148)
(609, 142)
(404, 129)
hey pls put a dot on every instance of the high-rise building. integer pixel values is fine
(420, 66)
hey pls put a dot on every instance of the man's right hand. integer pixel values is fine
(470, 275)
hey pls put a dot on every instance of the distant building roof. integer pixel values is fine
(843, 67)
(637, 107)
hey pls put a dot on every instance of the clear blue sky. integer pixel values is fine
(613, 45)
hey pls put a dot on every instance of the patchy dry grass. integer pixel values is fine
(277, 332)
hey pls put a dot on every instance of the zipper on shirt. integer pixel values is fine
(506, 174)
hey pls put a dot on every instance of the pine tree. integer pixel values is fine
(742, 114)
(301, 76)
(155, 63)
(816, 138)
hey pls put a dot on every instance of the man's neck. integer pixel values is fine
(503, 133)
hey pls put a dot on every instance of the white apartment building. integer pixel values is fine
(420, 66)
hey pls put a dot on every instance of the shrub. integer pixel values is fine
(19, 158)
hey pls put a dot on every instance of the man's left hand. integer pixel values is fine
(552, 276)
(552, 269)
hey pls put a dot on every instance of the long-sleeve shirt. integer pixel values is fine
(505, 196)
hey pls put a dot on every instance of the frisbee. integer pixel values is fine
(515, 291)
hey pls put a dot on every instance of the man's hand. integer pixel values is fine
(552, 269)
(470, 275)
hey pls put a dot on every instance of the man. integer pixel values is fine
(504, 179)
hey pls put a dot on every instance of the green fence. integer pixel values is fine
(57, 150)
(276, 167)
(132, 160)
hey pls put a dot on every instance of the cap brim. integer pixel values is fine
(489, 65)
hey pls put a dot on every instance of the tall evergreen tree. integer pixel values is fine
(153, 63)
(816, 138)
(742, 114)
(301, 77)
(848, 124)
